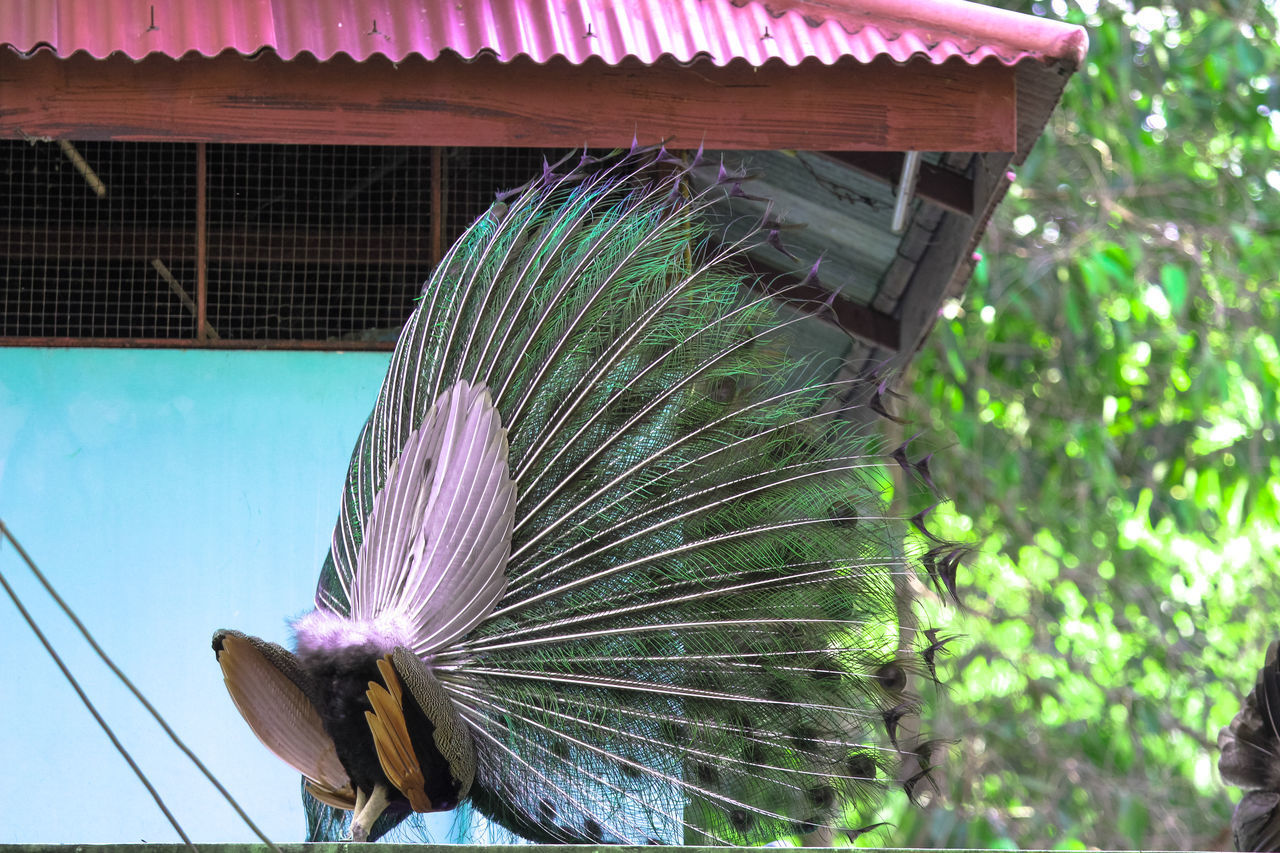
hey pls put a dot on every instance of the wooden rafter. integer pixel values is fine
(937, 185)
(860, 321)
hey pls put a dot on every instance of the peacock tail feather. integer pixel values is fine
(699, 635)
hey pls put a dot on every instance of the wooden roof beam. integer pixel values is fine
(845, 106)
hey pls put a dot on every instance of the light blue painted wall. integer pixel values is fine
(166, 493)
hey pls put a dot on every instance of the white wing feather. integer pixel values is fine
(438, 538)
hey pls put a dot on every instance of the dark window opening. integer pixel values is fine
(123, 243)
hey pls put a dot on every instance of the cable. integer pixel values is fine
(155, 795)
(5, 532)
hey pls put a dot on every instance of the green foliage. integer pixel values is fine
(1113, 383)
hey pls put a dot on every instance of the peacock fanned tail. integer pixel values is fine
(695, 630)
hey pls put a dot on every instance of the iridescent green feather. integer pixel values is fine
(699, 638)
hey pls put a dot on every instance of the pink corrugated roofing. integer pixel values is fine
(721, 30)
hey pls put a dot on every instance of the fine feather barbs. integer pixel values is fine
(608, 566)
(1250, 758)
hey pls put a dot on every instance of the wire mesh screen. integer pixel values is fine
(316, 242)
(314, 245)
(80, 225)
(472, 176)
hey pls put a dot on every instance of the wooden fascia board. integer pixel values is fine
(448, 101)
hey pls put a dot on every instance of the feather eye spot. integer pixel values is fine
(793, 632)
(592, 829)
(861, 766)
(844, 513)
(838, 603)
(706, 774)
(826, 670)
(892, 717)
(822, 796)
(892, 677)
(676, 732)
(778, 690)
(926, 752)
(559, 748)
(791, 448)
(805, 739)
(912, 786)
(724, 389)
(740, 819)
(796, 552)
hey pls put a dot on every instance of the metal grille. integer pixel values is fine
(316, 243)
(79, 227)
(313, 245)
(472, 176)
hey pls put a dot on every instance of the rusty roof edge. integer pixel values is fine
(1044, 38)
(968, 58)
(826, 30)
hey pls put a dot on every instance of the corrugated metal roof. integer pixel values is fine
(847, 213)
(720, 30)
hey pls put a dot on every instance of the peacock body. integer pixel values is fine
(611, 563)
(1250, 758)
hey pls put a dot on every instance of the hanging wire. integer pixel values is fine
(6, 534)
(155, 795)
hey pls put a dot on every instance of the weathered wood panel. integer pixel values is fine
(842, 107)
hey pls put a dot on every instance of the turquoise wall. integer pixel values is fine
(166, 493)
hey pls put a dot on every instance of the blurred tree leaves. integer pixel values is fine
(1113, 383)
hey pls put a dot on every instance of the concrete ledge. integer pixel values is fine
(425, 848)
(347, 847)
(458, 848)
(388, 848)
(298, 847)
(461, 848)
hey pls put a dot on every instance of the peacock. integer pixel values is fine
(612, 563)
(1250, 758)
